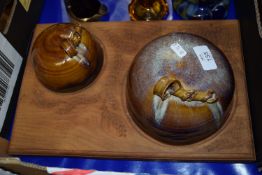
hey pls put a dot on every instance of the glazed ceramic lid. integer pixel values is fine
(180, 87)
(66, 57)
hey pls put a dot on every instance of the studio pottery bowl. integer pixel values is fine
(179, 88)
(66, 57)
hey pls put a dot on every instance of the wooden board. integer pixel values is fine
(3, 146)
(95, 121)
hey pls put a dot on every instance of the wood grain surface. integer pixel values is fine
(95, 122)
(3, 147)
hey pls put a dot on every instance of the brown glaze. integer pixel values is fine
(169, 86)
(147, 10)
(172, 97)
(66, 57)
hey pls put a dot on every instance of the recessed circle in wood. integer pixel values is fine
(66, 57)
(180, 87)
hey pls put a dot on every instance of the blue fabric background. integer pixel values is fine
(54, 12)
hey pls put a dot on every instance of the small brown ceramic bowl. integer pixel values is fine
(66, 57)
(85, 10)
(180, 87)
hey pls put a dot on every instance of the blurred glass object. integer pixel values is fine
(7, 9)
(85, 10)
(201, 9)
(148, 10)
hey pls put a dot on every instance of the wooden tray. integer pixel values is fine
(95, 121)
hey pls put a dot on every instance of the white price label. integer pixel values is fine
(205, 57)
(178, 49)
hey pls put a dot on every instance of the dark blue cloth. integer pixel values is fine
(153, 167)
(54, 12)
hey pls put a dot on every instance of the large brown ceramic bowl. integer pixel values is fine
(180, 88)
(66, 57)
